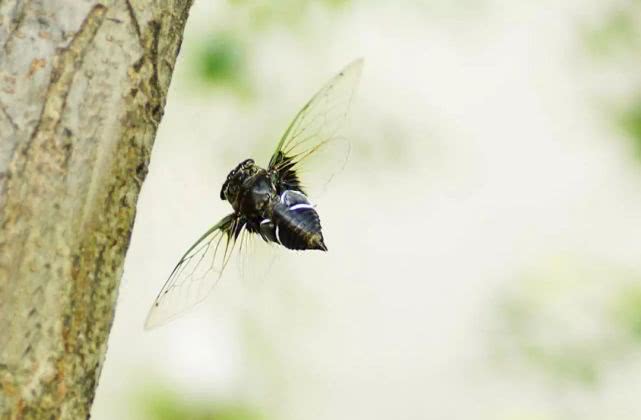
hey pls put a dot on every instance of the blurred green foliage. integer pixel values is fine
(566, 360)
(165, 405)
(265, 13)
(220, 61)
(627, 311)
(617, 32)
(631, 123)
(616, 41)
(570, 319)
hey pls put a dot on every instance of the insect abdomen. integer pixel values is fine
(294, 223)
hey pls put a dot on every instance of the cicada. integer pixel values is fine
(271, 202)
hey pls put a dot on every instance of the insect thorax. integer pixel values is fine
(248, 189)
(236, 178)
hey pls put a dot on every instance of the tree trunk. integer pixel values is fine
(82, 90)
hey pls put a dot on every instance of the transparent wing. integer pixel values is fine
(197, 272)
(315, 135)
(255, 257)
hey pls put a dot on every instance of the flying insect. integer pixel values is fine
(269, 202)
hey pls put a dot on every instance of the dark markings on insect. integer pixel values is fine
(269, 202)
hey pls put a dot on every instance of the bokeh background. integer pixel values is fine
(485, 236)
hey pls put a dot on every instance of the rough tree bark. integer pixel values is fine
(82, 90)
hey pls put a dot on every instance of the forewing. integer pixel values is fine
(197, 272)
(314, 148)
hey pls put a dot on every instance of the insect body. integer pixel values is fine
(279, 211)
(270, 202)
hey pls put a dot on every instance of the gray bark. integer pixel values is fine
(82, 90)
